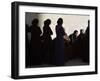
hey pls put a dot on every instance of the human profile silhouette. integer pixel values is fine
(73, 37)
(59, 43)
(35, 44)
(85, 56)
(47, 42)
(81, 35)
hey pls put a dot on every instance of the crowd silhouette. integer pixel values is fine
(41, 49)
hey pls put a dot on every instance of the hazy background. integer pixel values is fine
(71, 22)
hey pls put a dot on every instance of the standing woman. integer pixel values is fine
(59, 43)
(47, 42)
(35, 43)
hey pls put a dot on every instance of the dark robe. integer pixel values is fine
(59, 46)
(47, 45)
(85, 50)
(35, 56)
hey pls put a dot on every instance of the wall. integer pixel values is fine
(70, 23)
(5, 40)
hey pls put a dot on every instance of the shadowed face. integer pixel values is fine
(60, 21)
(35, 22)
(76, 33)
(47, 22)
(82, 31)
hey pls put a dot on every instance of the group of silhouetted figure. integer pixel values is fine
(41, 49)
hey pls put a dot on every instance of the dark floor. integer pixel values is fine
(73, 62)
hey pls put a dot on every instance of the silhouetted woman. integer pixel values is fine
(47, 41)
(35, 43)
(59, 43)
(85, 50)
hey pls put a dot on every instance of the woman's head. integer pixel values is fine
(60, 21)
(47, 22)
(76, 32)
(35, 22)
